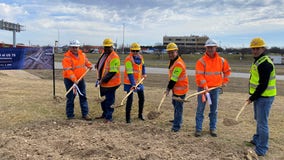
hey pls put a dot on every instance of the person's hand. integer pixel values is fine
(224, 85)
(133, 88)
(98, 82)
(74, 90)
(144, 76)
(249, 101)
(206, 89)
(167, 92)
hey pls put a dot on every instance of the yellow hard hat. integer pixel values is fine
(135, 46)
(172, 47)
(108, 42)
(257, 43)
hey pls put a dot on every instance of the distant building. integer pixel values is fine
(191, 42)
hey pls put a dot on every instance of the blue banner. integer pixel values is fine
(26, 58)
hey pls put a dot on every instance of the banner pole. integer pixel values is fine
(53, 75)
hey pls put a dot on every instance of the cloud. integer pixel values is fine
(146, 21)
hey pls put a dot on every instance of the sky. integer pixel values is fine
(232, 23)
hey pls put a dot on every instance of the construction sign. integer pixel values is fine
(26, 58)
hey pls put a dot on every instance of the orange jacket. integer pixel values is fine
(181, 86)
(112, 64)
(74, 67)
(136, 69)
(212, 72)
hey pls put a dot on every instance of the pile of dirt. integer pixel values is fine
(78, 139)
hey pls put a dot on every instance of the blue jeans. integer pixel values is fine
(214, 95)
(178, 111)
(262, 108)
(71, 97)
(109, 94)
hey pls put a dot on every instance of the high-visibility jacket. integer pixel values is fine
(212, 72)
(132, 68)
(270, 91)
(177, 73)
(75, 66)
(111, 64)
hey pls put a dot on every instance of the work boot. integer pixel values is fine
(213, 133)
(87, 118)
(197, 134)
(140, 116)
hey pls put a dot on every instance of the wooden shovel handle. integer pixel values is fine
(243, 107)
(141, 80)
(161, 102)
(200, 92)
(83, 75)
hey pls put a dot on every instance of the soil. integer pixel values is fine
(78, 139)
(60, 139)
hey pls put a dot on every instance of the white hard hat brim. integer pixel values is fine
(211, 45)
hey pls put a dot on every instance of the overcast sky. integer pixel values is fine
(232, 23)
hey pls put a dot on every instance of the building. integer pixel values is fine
(190, 42)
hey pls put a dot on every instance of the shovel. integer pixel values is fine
(153, 114)
(122, 103)
(192, 95)
(229, 122)
(100, 98)
(83, 75)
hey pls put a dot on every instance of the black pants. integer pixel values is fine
(140, 104)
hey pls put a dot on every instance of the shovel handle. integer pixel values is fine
(162, 100)
(123, 100)
(83, 75)
(243, 107)
(200, 92)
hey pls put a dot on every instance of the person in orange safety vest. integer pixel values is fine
(75, 64)
(134, 72)
(108, 67)
(211, 70)
(178, 83)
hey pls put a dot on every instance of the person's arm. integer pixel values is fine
(174, 78)
(199, 74)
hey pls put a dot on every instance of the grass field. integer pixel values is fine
(33, 124)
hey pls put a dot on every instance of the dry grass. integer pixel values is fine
(26, 101)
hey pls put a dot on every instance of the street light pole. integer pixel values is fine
(123, 39)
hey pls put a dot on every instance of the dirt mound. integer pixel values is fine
(77, 139)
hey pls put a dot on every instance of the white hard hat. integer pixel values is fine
(210, 42)
(74, 43)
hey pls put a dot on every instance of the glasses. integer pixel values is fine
(256, 49)
(134, 51)
(74, 47)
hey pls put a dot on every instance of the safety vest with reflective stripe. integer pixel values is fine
(270, 91)
(112, 64)
(133, 68)
(181, 79)
(75, 66)
(212, 72)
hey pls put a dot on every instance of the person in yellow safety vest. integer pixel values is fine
(75, 64)
(108, 68)
(211, 70)
(178, 83)
(262, 90)
(134, 72)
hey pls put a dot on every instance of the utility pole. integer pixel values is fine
(123, 38)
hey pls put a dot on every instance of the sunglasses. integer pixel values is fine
(74, 47)
(134, 51)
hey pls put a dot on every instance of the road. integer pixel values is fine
(189, 72)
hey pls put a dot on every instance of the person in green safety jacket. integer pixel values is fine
(262, 90)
